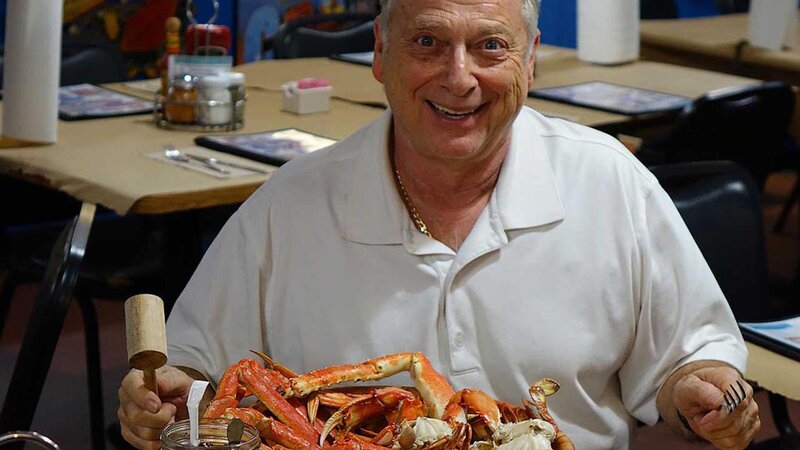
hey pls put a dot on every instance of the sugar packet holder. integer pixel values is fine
(306, 95)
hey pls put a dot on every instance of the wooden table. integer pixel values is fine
(717, 43)
(778, 375)
(774, 372)
(102, 161)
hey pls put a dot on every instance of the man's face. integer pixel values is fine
(455, 74)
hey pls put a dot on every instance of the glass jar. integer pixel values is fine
(181, 100)
(215, 101)
(212, 434)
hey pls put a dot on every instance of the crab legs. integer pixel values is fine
(430, 416)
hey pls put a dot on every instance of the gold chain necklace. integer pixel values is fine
(412, 210)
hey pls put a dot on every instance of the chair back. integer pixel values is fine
(44, 327)
(746, 124)
(297, 38)
(720, 204)
(658, 9)
(733, 6)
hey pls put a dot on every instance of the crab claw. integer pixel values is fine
(537, 407)
(398, 404)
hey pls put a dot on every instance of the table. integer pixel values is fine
(774, 372)
(717, 43)
(102, 161)
(778, 375)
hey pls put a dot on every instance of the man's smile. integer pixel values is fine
(451, 113)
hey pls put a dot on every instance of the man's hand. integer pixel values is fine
(142, 414)
(699, 397)
(697, 392)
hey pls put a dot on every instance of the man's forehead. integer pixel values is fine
(456, 6)
(437, 13)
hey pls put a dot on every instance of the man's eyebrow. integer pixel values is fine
(434, 24)
(427, 23)
(495, 28)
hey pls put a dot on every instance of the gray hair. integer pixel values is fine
(530, 10)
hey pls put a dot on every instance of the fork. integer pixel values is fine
(733, 397)
(174, 154)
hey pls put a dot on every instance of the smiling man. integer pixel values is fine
(505, 245)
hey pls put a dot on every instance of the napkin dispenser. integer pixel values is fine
(307, 95)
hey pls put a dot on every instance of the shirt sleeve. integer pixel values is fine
(218, 318)
(683, 314)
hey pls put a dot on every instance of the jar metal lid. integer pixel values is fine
(235, 78)
(214, 81)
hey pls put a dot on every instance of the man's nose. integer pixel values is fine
(459, 74)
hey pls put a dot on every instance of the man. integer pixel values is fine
(504, 245)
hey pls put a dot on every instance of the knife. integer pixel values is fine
(208, 160)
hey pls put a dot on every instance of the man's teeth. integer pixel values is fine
(450, 112)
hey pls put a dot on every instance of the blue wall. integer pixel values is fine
(558, 18)
(557, 22)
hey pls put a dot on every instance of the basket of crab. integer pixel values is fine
(309, 411)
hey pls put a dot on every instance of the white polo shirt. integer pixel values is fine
(579, 269)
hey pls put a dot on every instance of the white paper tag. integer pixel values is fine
(195, 395)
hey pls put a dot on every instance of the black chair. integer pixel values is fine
(299, 39)
(720, 204)
(746, 124)
(791, 160)
(658, 9)
(47, 319)
(123, 257)
(733, 6)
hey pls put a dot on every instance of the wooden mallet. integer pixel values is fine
(146, 336)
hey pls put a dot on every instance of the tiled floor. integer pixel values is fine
(62, 412)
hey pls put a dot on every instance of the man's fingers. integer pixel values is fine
(133, 390)
(142, 429)
(172, 382)
(696, 397)
(131, 436)
(736, 430)
(138, 415)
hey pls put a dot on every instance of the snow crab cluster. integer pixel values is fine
(305, 411)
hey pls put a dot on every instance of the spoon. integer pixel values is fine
(176, 155)
(235, 431)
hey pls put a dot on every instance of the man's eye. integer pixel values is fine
(425, 41)
(491, 44)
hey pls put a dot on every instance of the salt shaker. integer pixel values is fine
(236, 87)
(215, 101)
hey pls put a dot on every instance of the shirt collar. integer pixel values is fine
(526, 192)
(374, 212)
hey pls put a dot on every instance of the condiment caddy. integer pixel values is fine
(199, 92)
(208, 103)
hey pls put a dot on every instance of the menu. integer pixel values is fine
(613, 98)
(780, 336)
(87, 101)
(272, 147)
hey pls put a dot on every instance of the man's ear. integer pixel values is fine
(532, 58)
(377, 61)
